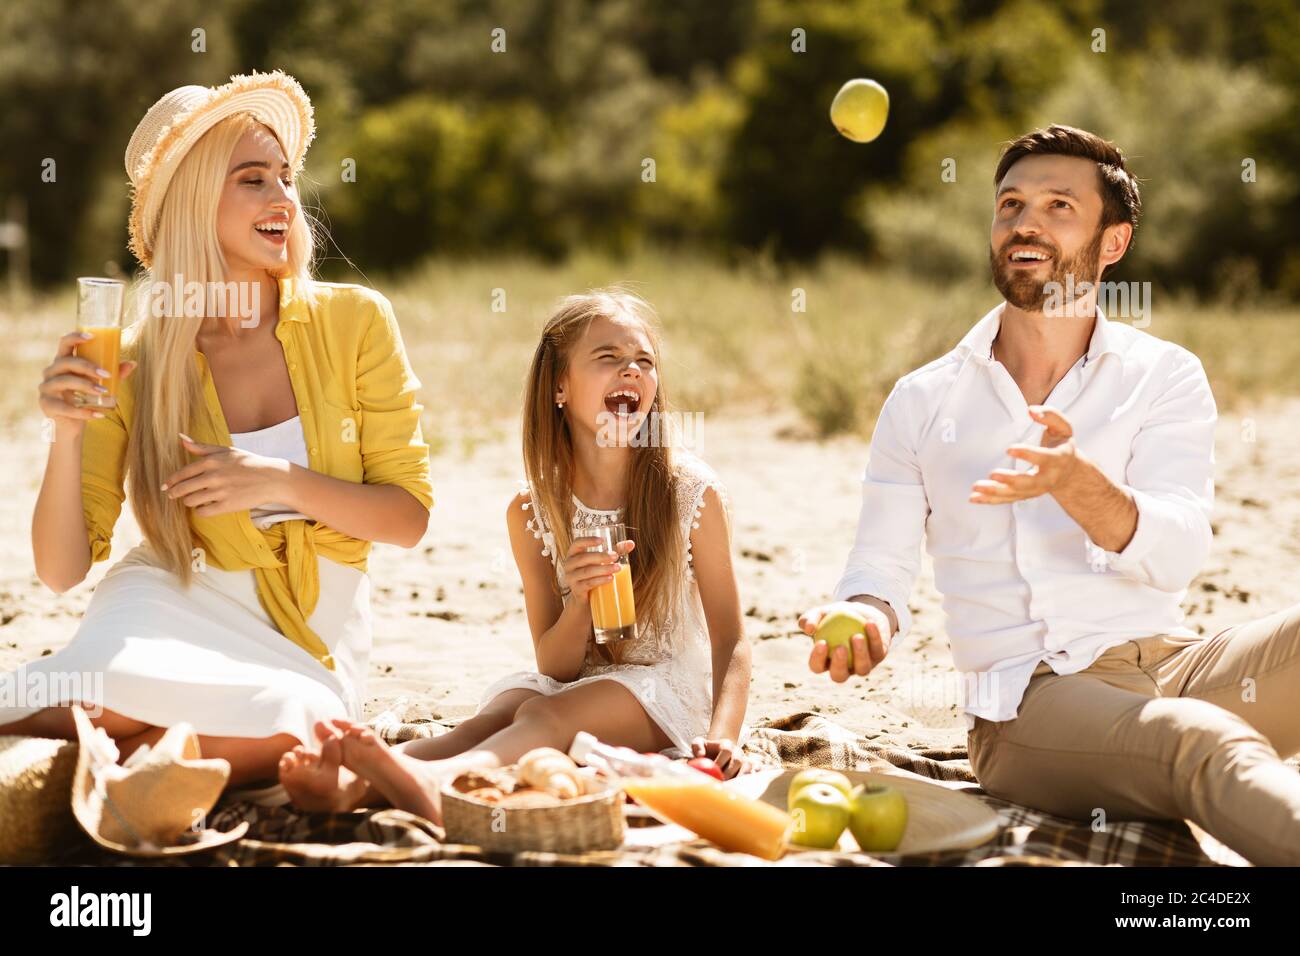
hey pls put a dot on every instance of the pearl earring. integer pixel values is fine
(559, 404)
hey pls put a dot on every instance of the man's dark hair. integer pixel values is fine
(1121, 201)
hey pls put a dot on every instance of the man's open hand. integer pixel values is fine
(1053, 463)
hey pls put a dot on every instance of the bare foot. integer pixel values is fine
(318, 783)
(404, 781)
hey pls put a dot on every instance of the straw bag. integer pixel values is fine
(36, 819)
(592, 821)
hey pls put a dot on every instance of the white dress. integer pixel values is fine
(211, 656)
(669, 668)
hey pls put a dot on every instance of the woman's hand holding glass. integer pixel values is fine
(70, 373)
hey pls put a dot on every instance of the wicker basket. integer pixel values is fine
(593, 821)
(36, 821)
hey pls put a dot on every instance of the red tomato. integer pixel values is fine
(706, 765)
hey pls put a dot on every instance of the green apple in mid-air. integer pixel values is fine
(859, 110)
(877, 818)
(811, 775)
(838, 627)
(820, 812)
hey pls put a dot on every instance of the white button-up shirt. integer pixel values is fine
(1022, 583)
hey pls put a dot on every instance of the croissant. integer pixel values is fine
(548, 769)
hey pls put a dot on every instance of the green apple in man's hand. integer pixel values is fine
(838, 627)
(863, 630)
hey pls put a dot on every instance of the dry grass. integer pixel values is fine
(733, 342)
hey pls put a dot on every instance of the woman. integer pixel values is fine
(265, 452)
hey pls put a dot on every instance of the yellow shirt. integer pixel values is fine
(357, 399)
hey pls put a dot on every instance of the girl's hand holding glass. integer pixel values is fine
(586, 570)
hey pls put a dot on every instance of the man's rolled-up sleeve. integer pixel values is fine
(886, 555)
(1170, 476)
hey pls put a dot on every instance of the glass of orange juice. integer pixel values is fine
(99, 312)
(613, 610)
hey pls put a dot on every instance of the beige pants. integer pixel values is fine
(1164, 728)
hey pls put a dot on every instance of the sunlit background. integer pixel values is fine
(517, 175)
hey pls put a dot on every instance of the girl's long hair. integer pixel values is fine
(167, 385)
(658, 563)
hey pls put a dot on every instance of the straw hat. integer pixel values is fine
(176, 122)
(148, 805)
(35, 780)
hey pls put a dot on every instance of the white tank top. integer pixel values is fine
(284, 440)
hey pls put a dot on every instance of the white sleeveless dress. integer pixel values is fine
(669, 668)
(211, 656)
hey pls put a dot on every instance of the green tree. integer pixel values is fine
(76, 78)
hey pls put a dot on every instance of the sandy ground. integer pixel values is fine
(449, 614)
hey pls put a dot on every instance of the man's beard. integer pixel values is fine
(1026, 291)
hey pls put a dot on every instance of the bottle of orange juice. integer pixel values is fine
(99, 312)
(694, 800)
(613, 608)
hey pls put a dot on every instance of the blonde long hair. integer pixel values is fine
(658, 563)
(167, 386)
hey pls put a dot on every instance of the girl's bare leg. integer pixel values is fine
(494, 718)
(605, 708)
(319, 783)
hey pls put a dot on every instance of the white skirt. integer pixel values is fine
(152, 651)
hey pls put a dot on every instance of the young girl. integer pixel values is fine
(592, 398)
(265, 453)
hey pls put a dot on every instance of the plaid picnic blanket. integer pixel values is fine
(1026, 837)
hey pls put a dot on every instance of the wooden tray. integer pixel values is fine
(938, 818)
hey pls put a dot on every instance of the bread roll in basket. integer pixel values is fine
(543, 803)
